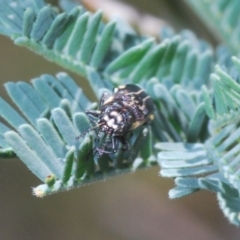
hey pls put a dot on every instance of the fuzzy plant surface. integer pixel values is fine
(194, 137)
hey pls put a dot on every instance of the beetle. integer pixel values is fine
(118, 114)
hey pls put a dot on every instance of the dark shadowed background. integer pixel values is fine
(127, 207)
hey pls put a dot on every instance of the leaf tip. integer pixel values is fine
(39, 191)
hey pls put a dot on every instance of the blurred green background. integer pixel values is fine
(127, 207)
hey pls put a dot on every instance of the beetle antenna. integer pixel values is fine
(90, 129)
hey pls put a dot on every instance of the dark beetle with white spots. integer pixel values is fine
(128, 108)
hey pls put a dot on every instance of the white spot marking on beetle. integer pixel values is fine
(119, 118)
(113, 113)
(117, 115)
(106, 118)
(111, 124)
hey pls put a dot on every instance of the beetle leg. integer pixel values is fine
(103, 98)
(93, 115)
(125, 144)
(101, 151)
(115, 143)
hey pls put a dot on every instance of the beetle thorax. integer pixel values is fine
(115, 121)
